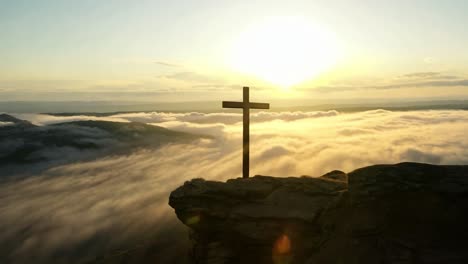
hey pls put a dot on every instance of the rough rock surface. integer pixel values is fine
(404, 213)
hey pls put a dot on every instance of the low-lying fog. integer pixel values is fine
(87, 210)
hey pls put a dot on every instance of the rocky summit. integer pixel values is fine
(408, 213)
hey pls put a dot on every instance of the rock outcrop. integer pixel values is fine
(404, 213)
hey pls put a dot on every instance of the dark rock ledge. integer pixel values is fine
(405, 213)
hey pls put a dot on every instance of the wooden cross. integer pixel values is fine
(246, 105)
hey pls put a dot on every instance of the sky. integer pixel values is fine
(207, 50)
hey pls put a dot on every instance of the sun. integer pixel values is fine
(284, 51)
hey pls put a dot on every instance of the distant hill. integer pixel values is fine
(13, 120)
(25, 143)
(9, 118)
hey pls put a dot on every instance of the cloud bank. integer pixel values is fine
(79, 211)
(5, 123)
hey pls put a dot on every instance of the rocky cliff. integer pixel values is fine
(403, 213)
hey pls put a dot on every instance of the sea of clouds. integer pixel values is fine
(81, 210)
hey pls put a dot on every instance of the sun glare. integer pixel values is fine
(284, 51)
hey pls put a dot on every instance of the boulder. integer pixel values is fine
(403, 213)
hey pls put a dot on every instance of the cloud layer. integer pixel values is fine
(410, 80)
(81, 210)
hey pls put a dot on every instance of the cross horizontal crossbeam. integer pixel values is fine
(251, 105)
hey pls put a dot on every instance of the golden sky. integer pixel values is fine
(206, 50)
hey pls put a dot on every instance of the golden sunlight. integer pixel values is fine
(284, 51)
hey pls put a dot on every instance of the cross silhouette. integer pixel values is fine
(246, 105)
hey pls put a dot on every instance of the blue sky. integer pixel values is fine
(69, 48)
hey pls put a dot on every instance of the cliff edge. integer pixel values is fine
(403, 213)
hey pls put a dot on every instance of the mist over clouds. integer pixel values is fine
(80, 210)
(5, 123)
(44, 119)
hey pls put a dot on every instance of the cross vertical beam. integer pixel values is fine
(246, 133)
(246, 105)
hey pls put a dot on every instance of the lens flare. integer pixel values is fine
(282, 250)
